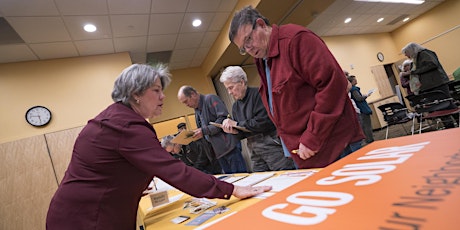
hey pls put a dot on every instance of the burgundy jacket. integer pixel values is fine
(114, 159)
(310, 98)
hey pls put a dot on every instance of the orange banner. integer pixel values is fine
(411, 182)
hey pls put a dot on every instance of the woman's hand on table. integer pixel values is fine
(249, 191)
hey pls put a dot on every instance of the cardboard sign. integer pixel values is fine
(159, 198)
(184, 137)
(412, 182)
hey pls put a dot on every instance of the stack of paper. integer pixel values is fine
(253, 179)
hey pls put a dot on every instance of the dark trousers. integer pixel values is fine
(349, 149)
(267, 153)
(233, 162)
(366, 125)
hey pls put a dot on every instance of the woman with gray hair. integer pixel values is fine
(428, 68)
(117, 154)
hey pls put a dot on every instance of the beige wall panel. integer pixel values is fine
(74, 89)
(28, 183)
(60, 145)
(167, 127)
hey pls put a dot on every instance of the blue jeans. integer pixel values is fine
(233, 162)
(349, 149)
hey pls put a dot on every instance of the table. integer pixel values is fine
(160, 218)
(388, 184)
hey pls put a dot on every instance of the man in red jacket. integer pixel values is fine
(302, 88)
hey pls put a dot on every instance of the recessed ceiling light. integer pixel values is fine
(406, 19)
(380, 20)
(90, 28)
(196, 22)
(347, 20)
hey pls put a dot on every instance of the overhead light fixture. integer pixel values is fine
(196, 22)
(406, 19)
(89, 28)
(380, 19)
(347, 20)
(417, 2)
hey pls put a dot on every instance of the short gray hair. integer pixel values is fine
(136, 78)
(166, 141)
(412, 49)
(233, 74)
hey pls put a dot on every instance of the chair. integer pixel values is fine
(454, 90)
(395, 113)
(434, 105)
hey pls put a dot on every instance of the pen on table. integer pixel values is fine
(295, 151)
(155, 184)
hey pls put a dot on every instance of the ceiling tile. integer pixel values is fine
(189, 40)
(209, 39)
(200, 54)
(161, 42)
(40, 29)
(165, 23)
(227, 5)
(138, 57)
(93, 47)
(82, 7)
(169, 6)
(219, 21)
(129, 25)
(16, 53)
(129, 7)
(75, 25)
(28, 8)
(203, 6)
(185, 55)
(133, 44)
(206, 19)
(54, 50)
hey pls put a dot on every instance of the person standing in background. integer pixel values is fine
(365, 110)
(427, 67)
(248, 111)
(349, 95)
(210, 108)
(302, 86)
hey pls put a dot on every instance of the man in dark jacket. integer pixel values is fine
(248, 112)
(210, 108)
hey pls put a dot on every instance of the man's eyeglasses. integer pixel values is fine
(247, 41)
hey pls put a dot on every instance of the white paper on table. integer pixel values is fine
(287, 179)
(232, 179)
(253, 179)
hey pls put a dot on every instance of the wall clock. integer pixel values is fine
(38, 116)
(380, 56)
